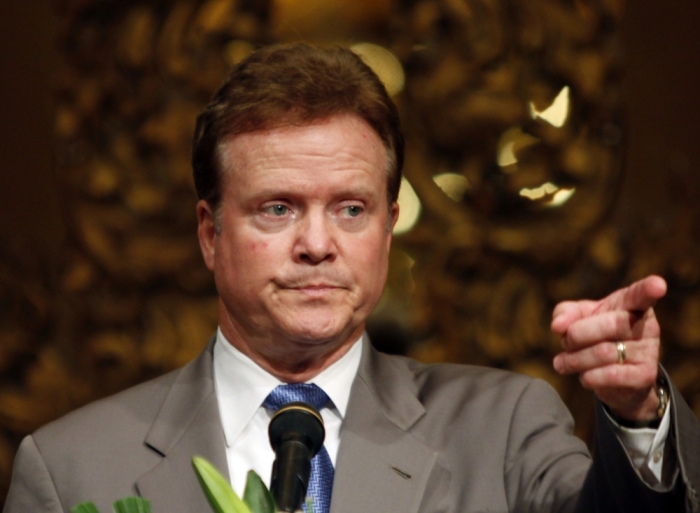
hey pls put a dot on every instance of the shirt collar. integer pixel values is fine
(242, 385)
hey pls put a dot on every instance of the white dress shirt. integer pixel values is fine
(242, 386)
(645, 447)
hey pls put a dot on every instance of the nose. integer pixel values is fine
(315, 241)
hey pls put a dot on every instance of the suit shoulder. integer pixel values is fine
(439, 380)
(457, 372)
(134, 407)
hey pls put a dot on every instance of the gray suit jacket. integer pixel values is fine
(440, 438)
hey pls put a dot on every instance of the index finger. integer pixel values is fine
(639, 296)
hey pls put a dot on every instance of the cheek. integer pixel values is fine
(257, 247)
(244, 271)
(242, 258)
(245, 248)
(253, 260)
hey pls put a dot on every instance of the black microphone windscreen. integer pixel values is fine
(300, 421)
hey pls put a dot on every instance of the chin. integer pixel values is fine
(318, 322)
(316, 329)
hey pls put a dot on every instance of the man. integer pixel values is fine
(297, 164)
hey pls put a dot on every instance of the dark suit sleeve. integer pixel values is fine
(613, 484)
(686, 432)
(32, 489)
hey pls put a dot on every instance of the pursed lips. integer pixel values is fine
(316, 288)
(313, 289)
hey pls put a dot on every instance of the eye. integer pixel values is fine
(353, 210)
(277, 210)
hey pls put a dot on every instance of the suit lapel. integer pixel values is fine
(381, 467)
(188, 424)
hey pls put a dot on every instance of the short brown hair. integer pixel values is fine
(293, 84)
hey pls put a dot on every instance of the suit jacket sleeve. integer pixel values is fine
(32, 488)
(613, 484)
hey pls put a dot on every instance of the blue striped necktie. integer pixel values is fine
(321, 480)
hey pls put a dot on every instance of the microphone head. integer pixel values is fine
(300, 422)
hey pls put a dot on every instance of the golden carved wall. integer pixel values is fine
(514, 118)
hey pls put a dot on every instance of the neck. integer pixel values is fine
(293, 361)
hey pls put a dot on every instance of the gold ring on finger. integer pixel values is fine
(621, 352)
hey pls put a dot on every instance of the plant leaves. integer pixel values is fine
(84, 507)
(257, 496)
(220, 494)
(132, 505)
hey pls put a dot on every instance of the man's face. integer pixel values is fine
(301, 256)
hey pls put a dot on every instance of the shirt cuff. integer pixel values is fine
(645, 447)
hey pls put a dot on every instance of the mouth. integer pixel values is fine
(314, 290)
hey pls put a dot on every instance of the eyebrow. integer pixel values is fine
(350, 192)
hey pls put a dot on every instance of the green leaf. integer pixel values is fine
(257, 496)
(132, 505)
(84, 507)
(220, 494)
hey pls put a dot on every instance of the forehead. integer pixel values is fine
(339, 143)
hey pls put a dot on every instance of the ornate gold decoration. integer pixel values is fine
(513, 113)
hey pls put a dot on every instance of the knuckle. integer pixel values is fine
(648, 375)
(561, 308)
(574, 334)
(614, 374)
(587, 381)
(566, 363)
(622, 324)
(654, 352)
(653, 329)
(601, 351)
(583, 379)
(566, 342)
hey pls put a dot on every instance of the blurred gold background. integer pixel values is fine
(551, 155)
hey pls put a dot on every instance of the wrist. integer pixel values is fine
(661, 394)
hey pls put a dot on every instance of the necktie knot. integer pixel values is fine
(304, 392)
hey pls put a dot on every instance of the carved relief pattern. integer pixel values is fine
(518, 103)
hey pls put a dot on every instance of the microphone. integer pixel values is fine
(296, 435)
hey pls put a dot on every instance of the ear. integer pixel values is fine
(394, 214)
(394, 218)
(206, 231)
